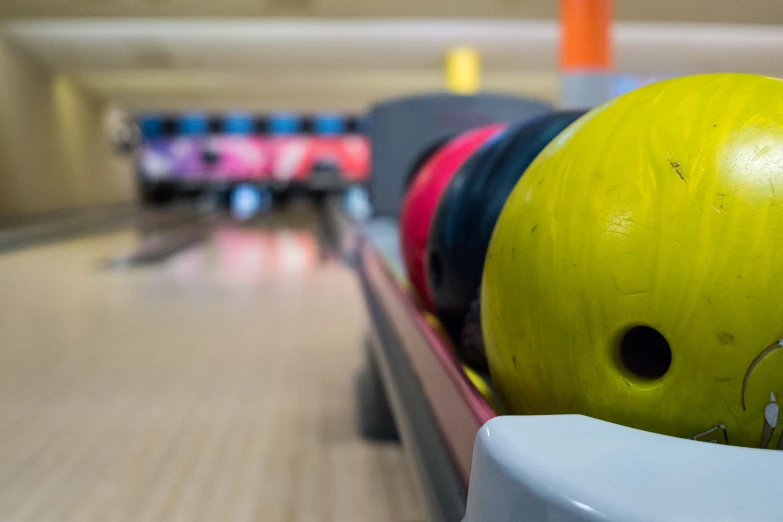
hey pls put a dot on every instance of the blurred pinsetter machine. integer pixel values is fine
(575, 314)
(182, 156)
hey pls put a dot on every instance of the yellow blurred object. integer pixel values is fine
(463, 70)
(484, 388)
(431, 319)
(634, 275)
(479, 381)
(434, 322)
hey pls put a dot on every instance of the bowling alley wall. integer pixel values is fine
(53, 151)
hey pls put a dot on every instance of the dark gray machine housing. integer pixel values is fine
(403, 130)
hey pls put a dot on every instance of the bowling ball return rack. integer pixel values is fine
(531, 468)
(436, 409)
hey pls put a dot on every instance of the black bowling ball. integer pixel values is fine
(466, 216)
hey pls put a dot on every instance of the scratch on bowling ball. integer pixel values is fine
(678, 169)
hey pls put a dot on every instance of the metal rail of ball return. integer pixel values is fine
(538, 468)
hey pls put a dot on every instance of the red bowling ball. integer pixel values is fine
(423, 196)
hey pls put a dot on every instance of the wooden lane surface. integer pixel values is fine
(211, 387)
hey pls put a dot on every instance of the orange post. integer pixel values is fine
(586, 39)
(585, 52)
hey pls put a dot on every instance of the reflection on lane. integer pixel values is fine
(245, 256)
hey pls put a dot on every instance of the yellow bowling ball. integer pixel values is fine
(635, 274)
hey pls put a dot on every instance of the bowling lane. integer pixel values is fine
(217, 385)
